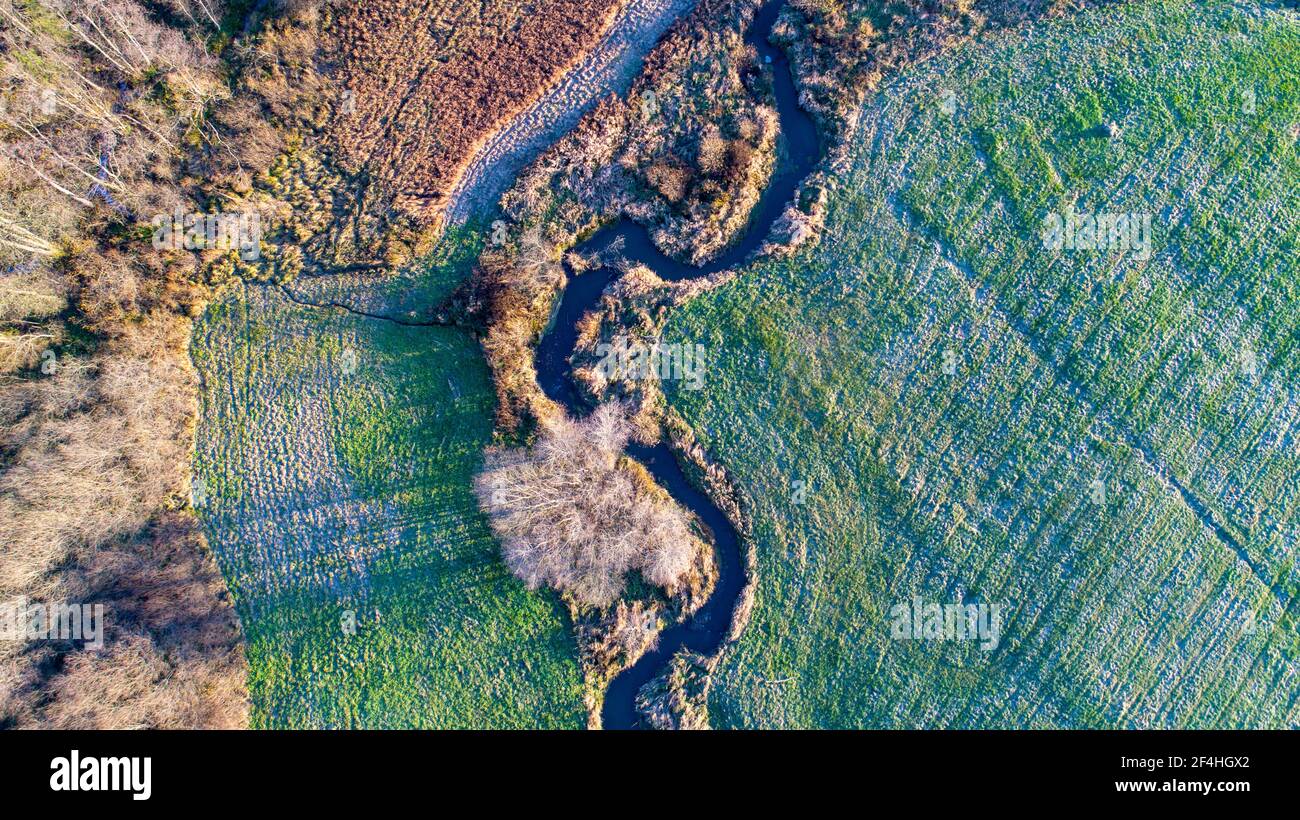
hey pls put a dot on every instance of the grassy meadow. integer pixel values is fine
(335, 454)
(1103, 439)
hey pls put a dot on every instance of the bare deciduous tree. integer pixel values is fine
(96, 99)
(573, 515)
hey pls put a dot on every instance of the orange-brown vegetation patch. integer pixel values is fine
(422, 83)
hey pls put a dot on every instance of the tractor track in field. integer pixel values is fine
(1097, 409)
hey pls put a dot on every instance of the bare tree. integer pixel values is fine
(94, 439)
(574, 515)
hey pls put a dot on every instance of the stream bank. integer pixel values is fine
(707, 629)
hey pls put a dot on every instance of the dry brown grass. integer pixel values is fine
(430, 79)
(351, 123)
(96, 467)
(172, 657)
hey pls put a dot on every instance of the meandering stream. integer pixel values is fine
(705, 631)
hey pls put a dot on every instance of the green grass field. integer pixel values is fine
(932, 404)
(336, 454)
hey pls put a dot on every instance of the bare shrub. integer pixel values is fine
(574, 515)
(669, 181)
(711, 156)
(96, 453)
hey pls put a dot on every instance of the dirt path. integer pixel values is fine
(610, 66)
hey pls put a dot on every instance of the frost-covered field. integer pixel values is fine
(335, 454)
(944, 401)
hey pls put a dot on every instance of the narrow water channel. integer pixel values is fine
(705, 631)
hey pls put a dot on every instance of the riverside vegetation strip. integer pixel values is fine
(704, 633)
(627, 160)
(656, 165)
